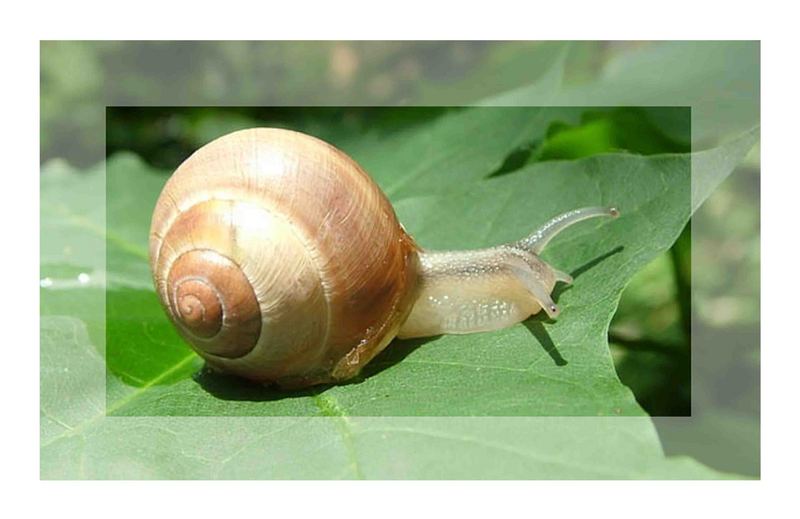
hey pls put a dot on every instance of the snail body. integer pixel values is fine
(278, 259)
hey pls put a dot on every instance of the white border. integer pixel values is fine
(418, 20)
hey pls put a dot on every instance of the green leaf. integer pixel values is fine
(533, 369)
(621, 129)
(73, 220)
(462, 146)
(79, 441)
(718, 79)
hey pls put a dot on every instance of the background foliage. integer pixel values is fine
(649, 336)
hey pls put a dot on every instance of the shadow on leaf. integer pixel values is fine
(230, 387)
(397, 350)
(535, 323)
(535, 326)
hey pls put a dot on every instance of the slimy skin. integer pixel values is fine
(479, 290)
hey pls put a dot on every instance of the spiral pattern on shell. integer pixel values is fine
(276, 256)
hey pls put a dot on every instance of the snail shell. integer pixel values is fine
(278, 259)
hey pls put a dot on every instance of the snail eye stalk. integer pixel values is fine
(538, 239)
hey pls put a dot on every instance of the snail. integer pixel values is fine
(279, 260)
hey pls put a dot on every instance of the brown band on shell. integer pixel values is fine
(213, 303)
